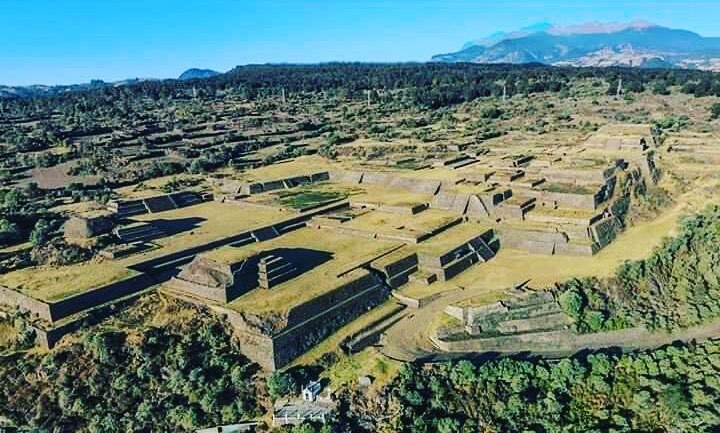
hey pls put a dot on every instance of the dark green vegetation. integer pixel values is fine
(677, 286)
(182, 374)
(310, 197)
(673, 389)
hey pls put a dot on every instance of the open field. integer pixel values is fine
(299, 166)
(382, 195)
(452, 238)
(206, 222)
(50, 284)
(387, 223)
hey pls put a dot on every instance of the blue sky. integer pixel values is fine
(70, 41)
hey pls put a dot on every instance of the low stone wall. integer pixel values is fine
(548, 340)
(571, 249)
(345, 176)
(530, 324)
(539, 242)
(419, 186)
(48, 336)
(98, 296)
(53, 311)
(198, 290)
(579, 177)
(284, 183)
(400, 210)
(377, 178)
(403, 261)
(449, 201)
(605, 231)
(567, 200)
(390, 180)
(296, 341)
(26, 303)
(480, 207)
(414, 302)
(317, 322)
(356, 281)
(545, 218)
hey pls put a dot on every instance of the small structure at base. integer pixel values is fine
(298, 413)
(230, 428)
(88, 225)
(311, 391)
(313, 407)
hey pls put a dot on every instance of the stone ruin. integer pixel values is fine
(236, 188)
(220, 282)
(524, 312)
(441, 265)
(273, 270)
(128, 208)
(206, 279)
(88, 225)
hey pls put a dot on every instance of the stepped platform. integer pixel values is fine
(138, 232)
(274, 270)
(453, 251)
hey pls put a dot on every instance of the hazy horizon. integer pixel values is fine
(79, 40)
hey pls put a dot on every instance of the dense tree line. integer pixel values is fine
(177, 377)
(429, 84)
(677, 286)
(675, 389)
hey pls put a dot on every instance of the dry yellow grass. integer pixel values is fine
(381, 195)
(388, 223)
(452, 238)
(214, 221)
(8, 333)
(54, 283)
(298, 166)
(153, 187)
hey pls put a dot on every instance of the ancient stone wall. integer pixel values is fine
(217, 294)
(87, 227)
(567, 200)
(26, 303)
(296, 341)
(100, 295)
(351, 284)
(572, 249)
(450, 201)
(345, 176)
(318, 321)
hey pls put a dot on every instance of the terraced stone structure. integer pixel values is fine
(88, 225)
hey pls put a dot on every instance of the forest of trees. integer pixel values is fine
(178, 377)
(430, 85)
(677, 286)
(675, 389)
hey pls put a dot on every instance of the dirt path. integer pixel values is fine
(408, 340)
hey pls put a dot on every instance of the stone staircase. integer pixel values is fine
(125, 209)
(274, 270)
(139, 232)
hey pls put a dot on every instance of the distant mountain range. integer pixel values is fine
(195, 73)
(638, 43)
(41, 89)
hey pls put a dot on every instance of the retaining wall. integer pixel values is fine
(311, 324)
